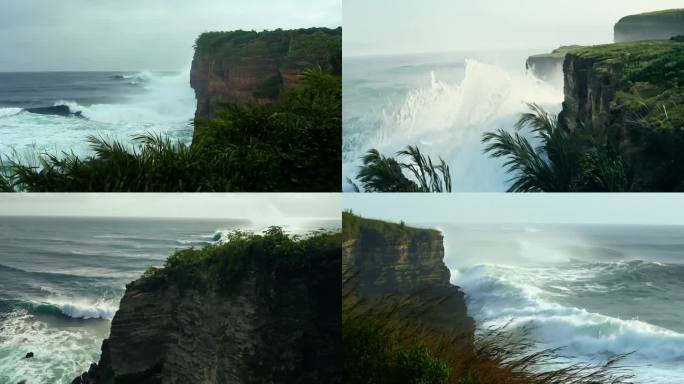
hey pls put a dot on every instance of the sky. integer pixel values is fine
(155, 35)
(534, 208)
(409, 26)
(252, 206)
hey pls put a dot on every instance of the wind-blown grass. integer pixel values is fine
(379, 332)
(294, 145)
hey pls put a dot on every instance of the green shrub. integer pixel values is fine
(223, 266)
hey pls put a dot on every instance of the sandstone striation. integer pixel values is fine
(266, 329)
(393, 259)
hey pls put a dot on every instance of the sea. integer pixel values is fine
(443, 103)
(61, 280)
(596, 291)
(113, 105)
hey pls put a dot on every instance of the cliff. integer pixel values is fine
(393, 259)
(273, 318)
(247, 67)
(660, 25)
(549, 66)
(635, 93)
(604, 83)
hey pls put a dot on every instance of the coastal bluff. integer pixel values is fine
(276, 321)
(248, 67)
(659, 25)
(388, 259)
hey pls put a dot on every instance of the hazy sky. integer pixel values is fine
(406, 26)
(647, 208)
(252, 206)
(39, 35)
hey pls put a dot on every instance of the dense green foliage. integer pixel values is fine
(354, 226)
(299, 48)
(373, 356)
(221, 267)
(386, 174)
(293, 145)
(565, 160)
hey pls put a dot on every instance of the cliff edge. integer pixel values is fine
(262, 310)
(393, 259)
(632, 93)
(660, 25)
(248, 67)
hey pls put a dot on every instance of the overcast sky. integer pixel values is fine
(252, 206)
(407, 26)
(48, 35)
(535, 208)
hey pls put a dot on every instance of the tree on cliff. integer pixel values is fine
(565, 160)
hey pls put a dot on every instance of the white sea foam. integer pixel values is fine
(166, 106)
(82, 308)
(497, 295)
(60, 353)
(448, 120)
(9, 111)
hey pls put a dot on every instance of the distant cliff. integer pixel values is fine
(660, 25)
(262, 310)
(247, 67)
(549, 66)
(633, 92)
(390, 259)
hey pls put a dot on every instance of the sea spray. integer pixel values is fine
(448, 119)
(160, 103)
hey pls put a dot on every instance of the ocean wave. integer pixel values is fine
(497, 295)
(448, 120)
(4, 112)
(55, 348)
(163, 104)
(77, 308)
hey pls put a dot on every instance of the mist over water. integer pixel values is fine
(594, 290)
(443, 103)
(116, 105)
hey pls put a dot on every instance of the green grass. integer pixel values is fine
(557, 53)
(357, 227)
(671, 14)
(293, 145)
(649, 106)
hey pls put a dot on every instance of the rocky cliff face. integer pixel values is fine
(389, 259)
(165, 334)
(256, 68)
(590, 87)
(660, 25)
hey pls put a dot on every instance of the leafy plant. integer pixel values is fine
(383, 174)
(565, 160)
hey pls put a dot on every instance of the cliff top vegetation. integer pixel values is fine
(653, 73)
(354, 226)
(221, 267)
(671, 14)
(294, 48)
